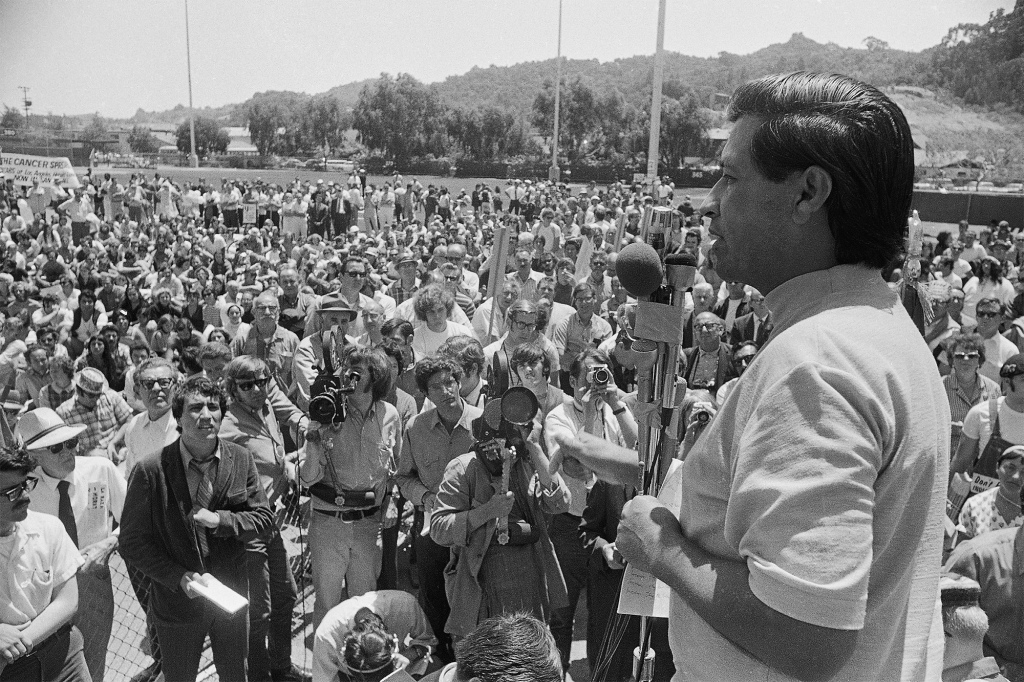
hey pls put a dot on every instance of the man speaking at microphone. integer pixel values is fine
(809, 539)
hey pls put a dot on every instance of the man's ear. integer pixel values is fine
(814, 185)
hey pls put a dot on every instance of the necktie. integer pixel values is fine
(204, 493)
(64, 511)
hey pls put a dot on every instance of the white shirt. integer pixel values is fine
(426, 342)
(34, 559)
(978, 427)
(998, 349)
(146, 437)
(825, 472)
(97, 493)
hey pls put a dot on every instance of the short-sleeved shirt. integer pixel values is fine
(981, 515)
(978, 427)
(97, 493)
(34, 559)
(825, 472)
(102, 421)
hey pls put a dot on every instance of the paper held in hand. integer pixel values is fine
(218, 594)
(642, 594)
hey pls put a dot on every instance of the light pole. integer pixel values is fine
(193, 158)
(553, 172)
(659, 74)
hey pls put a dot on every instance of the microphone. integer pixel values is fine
(639, 269)
(681, 270)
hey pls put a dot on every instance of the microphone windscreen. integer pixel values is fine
(639, 269)
(682, 258)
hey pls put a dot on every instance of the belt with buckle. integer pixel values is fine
(349, 515)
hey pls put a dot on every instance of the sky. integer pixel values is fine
(116, 56)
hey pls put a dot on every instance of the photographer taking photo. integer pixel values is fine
(353, 461)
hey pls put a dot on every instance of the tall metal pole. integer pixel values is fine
(659, 74)
(554, 173)
(193, 159)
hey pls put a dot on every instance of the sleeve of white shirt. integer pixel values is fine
(972, 422)
(65, 559)
(327, 644)
(802, 499)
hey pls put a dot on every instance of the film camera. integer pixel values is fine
(328, 402)
(599, 376)
(503, 420)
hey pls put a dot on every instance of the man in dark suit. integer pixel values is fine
(709, 363)
(734, 306)
(187, 516)
(756, 325)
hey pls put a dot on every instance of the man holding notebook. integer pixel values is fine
(187, 516)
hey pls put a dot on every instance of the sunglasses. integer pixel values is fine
(69, 444)
(15, 492)
(965, 356)
(709, 326)
(988, 314)
(356, 275)
(247, 386)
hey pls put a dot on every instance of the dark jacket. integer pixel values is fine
(743, 330)
(725, 369)
(157, 531)
(723, 308)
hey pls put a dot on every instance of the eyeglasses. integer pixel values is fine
(150, 384)
(265, 308)
(451, 278)
(584, 299)
(356, 275)
(15, 492)
(247, 386)
(523, 326)
(989, 314)
(69, 444)
(708, 326)
(966, 356)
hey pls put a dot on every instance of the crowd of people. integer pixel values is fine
(180, 361)
(166, 353)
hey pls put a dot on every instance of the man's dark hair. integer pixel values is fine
(16, 459)
(394, 351)
(428, 367)
(527, 354)
(214, 350)
(852, 131)
(369, 651)
(580, 361)
(377, 364)
(465, 351)
(196, 385)
(405, 327)
(514, 647)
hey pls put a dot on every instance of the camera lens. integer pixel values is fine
(602, 375)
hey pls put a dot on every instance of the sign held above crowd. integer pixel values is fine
(25, 170)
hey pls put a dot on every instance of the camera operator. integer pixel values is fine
(492, 578)
(353, 462)
(597, 409)
(336, 315)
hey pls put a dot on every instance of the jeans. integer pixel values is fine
(95, 616)
(431, 558)
(572, 558)
(344, 554)
(272, 596)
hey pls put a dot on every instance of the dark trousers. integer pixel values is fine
(232, 219)
(431, 558)
(340, 223)
(602, 605)
(182, 645)
(572, 558)
(388, 578)
(141, 586)
(79, 232)
(272, 596)
(58, 658)
(95, 617)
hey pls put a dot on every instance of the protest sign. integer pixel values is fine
(25, 170)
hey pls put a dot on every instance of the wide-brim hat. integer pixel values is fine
(335, 303)
(41, 428)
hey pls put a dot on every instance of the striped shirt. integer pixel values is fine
(960, 402)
